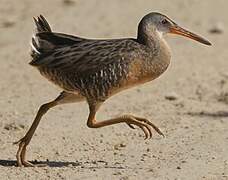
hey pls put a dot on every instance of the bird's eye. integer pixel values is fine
(164, 21)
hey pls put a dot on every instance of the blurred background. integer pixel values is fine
(189, 101)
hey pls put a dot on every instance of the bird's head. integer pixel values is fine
(161, 24)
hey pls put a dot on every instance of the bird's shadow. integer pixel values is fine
(86, 165)
(8, 163)
(218, 114)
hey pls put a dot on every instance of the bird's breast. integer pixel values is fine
(147, 68)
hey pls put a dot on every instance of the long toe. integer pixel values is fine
(151, 124)
(145, 132)
(28, 164)
(144, 124)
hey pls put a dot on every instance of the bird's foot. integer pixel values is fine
(143, 124)
(21, 162)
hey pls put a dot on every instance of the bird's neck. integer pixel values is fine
(152, 38)
(149, 38)
(159, 52)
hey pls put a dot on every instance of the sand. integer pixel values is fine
(194, 120)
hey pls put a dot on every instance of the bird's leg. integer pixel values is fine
(131, 120)
(64, 97)
(23, 142)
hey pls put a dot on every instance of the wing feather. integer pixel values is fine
(89, 56)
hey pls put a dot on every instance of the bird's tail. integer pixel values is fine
(45, 41)
(38, 45)
(42, 24)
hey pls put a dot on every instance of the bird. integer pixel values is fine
(93, 70)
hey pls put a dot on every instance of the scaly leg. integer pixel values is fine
(131, 120)
(64, 97)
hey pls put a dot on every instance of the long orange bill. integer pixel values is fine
(181, 31)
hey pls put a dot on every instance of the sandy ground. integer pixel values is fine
(195, 123)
